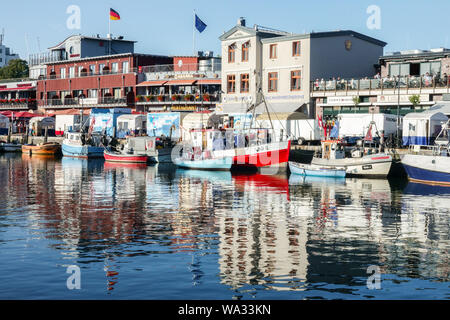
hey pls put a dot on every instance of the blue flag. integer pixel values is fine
(199, 24)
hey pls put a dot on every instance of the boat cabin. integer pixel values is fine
(332, 149)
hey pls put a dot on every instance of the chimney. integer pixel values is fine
(241, 22)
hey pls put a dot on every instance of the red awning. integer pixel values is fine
(181, 82)
(153, 83)
(17, 88)
(209, 81)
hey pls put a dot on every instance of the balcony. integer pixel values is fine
(84, 103)
(202, 69)
(18, 104)
(407, 84)
(178, 98)
(85, 73)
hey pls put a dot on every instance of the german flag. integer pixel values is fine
(113, 14)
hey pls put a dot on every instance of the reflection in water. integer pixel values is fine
(158, 232)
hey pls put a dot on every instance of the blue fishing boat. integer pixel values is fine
(430, 166)
(316, 171)
(75, 145)
(205, 164)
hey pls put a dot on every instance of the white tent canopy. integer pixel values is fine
(419, 128)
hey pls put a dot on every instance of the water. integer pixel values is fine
(158, 232)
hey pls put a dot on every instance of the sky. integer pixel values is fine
(166, 27)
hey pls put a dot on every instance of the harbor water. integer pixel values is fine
(158, 232)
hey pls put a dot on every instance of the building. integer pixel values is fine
(263, 64)
(5, 53)
(18, 95)
(75, 75)
(409, 81)
(78, 47)
(187, 84)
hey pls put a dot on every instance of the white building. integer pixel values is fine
(265, 64)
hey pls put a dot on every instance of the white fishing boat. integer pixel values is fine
(316, 171)
(362, 161)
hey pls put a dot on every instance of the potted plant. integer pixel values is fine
(175, 97)
(188, 97)
(138, 98)
(160, 98)
(206, 97)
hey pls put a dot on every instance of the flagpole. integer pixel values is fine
(109, 33)
(193, 35)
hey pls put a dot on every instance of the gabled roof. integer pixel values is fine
(257, 31)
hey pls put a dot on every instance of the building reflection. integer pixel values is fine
(270, 232)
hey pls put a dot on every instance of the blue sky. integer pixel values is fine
(165, 27)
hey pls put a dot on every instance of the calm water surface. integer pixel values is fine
(158, 232)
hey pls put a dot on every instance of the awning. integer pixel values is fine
(153, 83)
(69, 112)
(17, 88)
(209, 81)
(21, 114)
(180, 82)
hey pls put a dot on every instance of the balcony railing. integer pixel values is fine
(407, 82)
(179, 98)
(187, 68)
(6, 104)
(82, 102)
(86, 74)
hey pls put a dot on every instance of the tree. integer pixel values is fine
(415, 100)
(356, 101)
(16, 68)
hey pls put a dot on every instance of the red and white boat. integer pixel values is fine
(114, 156)
(252, 148)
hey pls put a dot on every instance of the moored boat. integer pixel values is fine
(115, 156)
(48, 148)
(430, 166)
(316, 171)
(10, 147)
(361, 162)
(77, 145)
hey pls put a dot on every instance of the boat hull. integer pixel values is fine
(124, 158)
(266, 155)
(163, 155)
(372, 166)
(44, 149)
(10, 147)
(427, 169)
(205, 164)
(82, 151)
(315, 171)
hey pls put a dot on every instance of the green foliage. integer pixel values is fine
(414, 99)
(356, 100)
(16, 68)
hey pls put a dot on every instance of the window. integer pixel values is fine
(432, 68)
(115, 67)
(117, 93)
(273, 81)
(72, 72)
(296, 80)
(296, 48)
(125, 67)
(244, 82)
(245, 47)
(92, 93)
(100, 68)
(80, 70)
(231, 53)
(63, 73)
(92, 69)
(273, 51)
(231, 84)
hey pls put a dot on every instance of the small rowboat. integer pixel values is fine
(48, 148)
(316, 171)
(113, 156)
